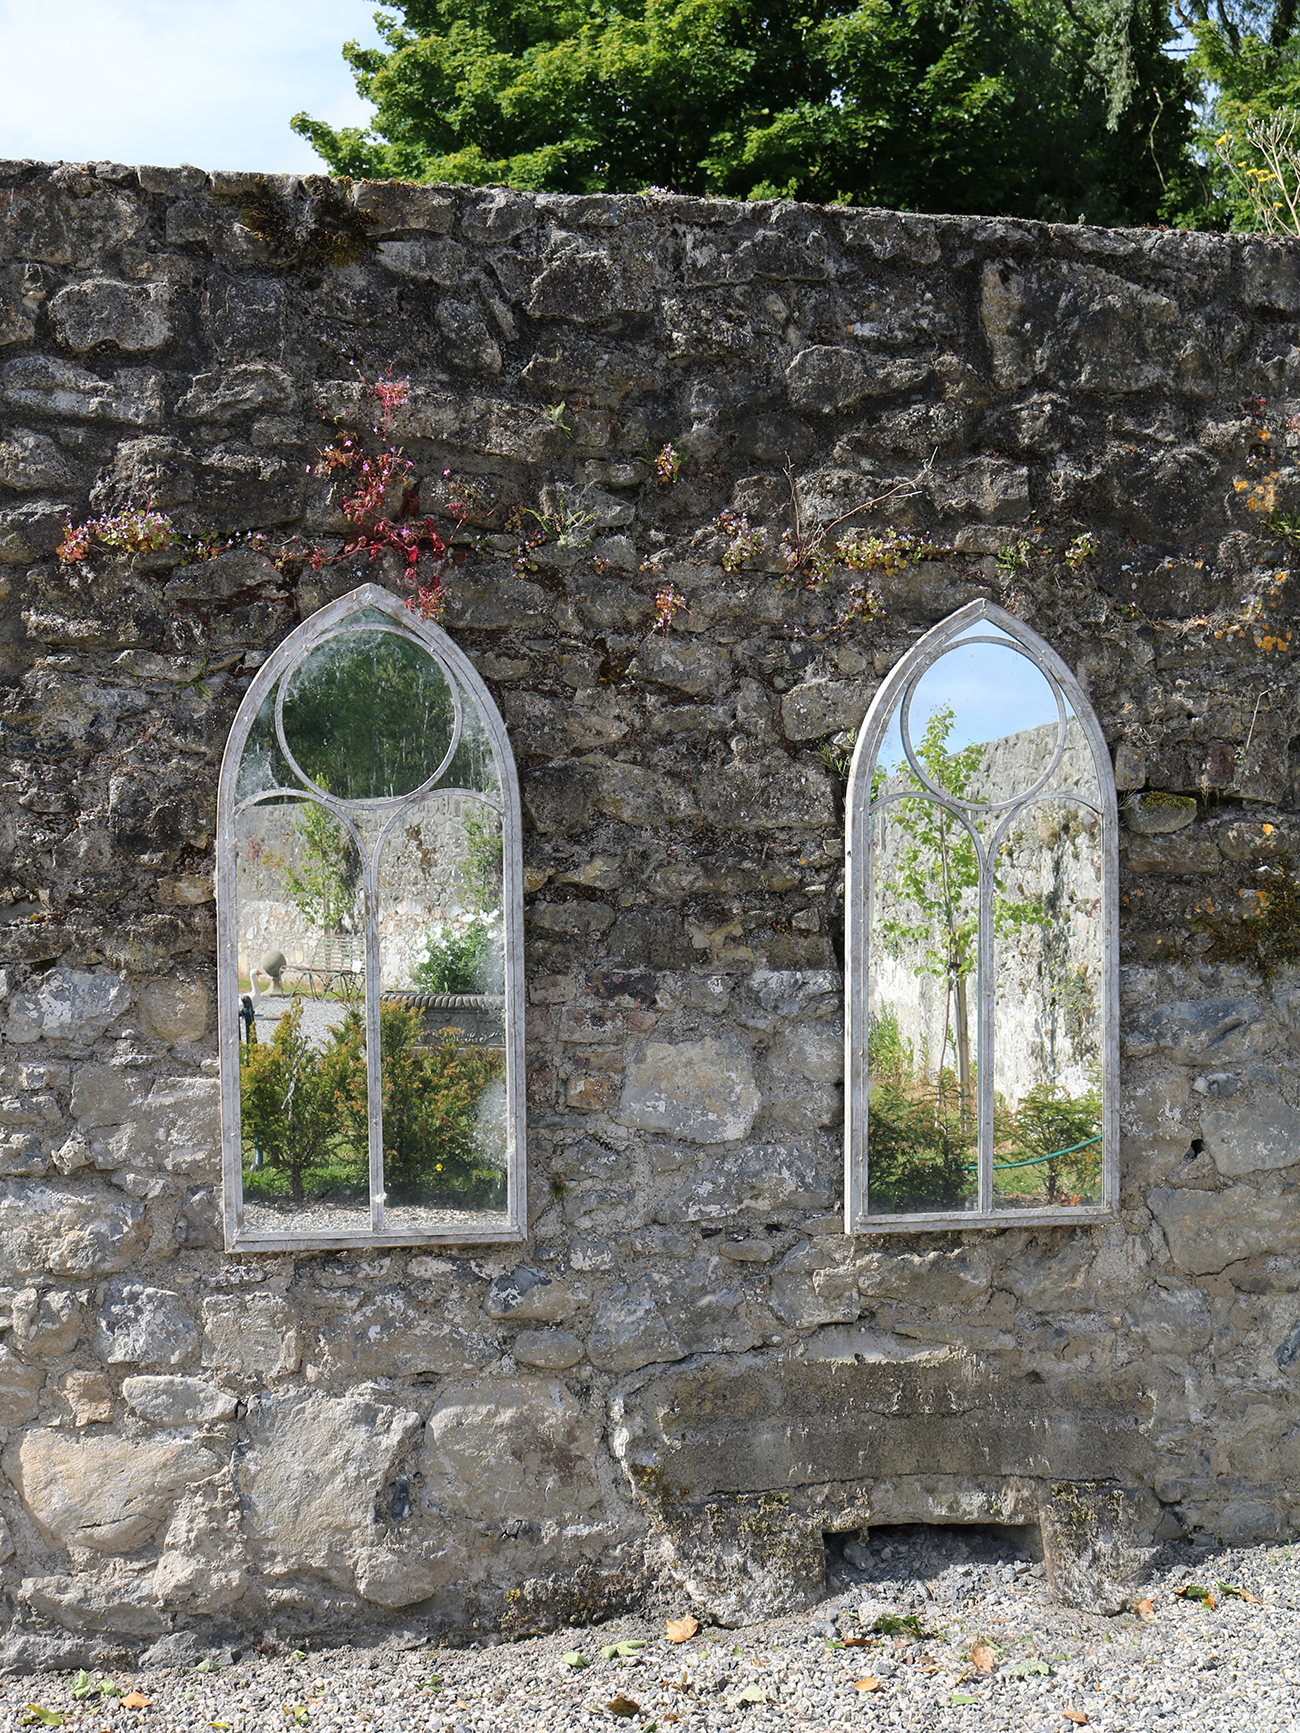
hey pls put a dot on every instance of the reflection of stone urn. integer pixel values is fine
(478, 1018)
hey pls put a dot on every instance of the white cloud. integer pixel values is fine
(140, 81)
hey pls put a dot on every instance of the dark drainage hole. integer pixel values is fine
(944, 1561)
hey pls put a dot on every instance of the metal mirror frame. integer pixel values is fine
(894, 696)
(338, 619)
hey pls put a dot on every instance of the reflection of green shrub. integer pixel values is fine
(289, 1103)
(918, 1151)
(431, 1104)
(1046, 1121)
(468, 961)
(306, 1109)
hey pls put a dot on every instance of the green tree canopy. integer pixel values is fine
(1048, 108)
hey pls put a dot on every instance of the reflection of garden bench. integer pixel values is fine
(477, 1018)
(336, 967)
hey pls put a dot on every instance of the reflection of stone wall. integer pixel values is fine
(1048, 976)
(420, 883)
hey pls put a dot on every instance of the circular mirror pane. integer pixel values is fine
(368, 715)
(983, 723)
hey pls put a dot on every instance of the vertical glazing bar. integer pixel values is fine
(374, 1072)
(984, 990)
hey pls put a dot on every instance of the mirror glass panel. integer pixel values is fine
(997, 820)
(302, 1056)
(442, 1015)
(368, 715)
(923, 1030)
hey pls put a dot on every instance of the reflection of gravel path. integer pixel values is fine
(319, 1016)
(1188, 1668)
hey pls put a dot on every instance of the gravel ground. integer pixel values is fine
(991, 1652)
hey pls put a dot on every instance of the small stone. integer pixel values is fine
(129, 316)
(32, 462)
(820, 707)
(503, 1447)
(179, 1401)
(235, 390)
(746, 1251)
(175, 1011)
(256, 1335)
(67, 1004)
(701, 1090)
(20, 1387)
(528, 1294)
(89, 1395)
(549, 1350)
(140, 1326)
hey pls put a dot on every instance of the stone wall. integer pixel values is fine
(688, 1374)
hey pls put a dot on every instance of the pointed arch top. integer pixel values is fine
(947, 823)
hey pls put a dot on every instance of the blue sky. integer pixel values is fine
(210, 82)
(993, 692)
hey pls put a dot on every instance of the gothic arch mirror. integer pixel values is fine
(370, 943)
(982, 959)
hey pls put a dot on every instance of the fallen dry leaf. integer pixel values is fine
(624, 1706)
(867, 1684)
(136, 1700)
(982, 1657)
(857, 1642)
(1075, 1715)
(681, 1630)
(1145, 1609)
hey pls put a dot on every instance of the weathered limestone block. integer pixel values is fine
(105, 1492)
(583, 285)
(1208, 1230)
(810, 1286)
(47, 1324)
(507, 1447)
(630, 1331)
(62, 228)
(770, 793)
(1193, 1031)
(820, 707)
(21, 293)
(1158, 814)
(89, 1397)
(244, 316)
(128, 316)
(1252, 1136)
(237, 389)
(825, 380)
(32, 463)
(171, 1123)
(254, 1335)
(204, 1563)
(701, 1090)
(175, 1011)
(122, 1605)
(685, 664)
(67, 1005)
(310, 1474)
(393, 1337)
(757, 1177)
(20, 1388)
(1097, 1544)
(179, 1401)
(37, 382)
(396, 207)
(1180, 853)
(443, 262)
(745, 1559)
(527, 1294)
(938, 1278)
(547, 1350)
(64, 1233)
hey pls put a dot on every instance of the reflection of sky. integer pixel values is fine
(993, 692)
